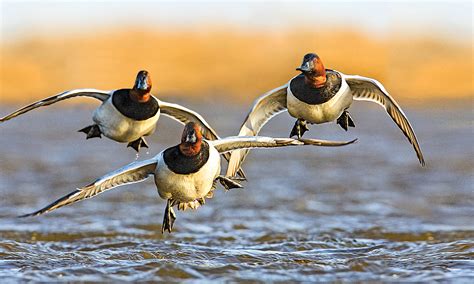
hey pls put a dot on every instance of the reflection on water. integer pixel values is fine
(364, 212)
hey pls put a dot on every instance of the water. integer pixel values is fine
(364, 212)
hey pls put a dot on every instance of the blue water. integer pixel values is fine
(364, 212)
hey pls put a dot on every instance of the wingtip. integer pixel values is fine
(326, 143)
(36, 213)
(242, 174)
(28, 215)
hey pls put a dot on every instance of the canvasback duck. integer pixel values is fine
(125, 115)
(184, 174)
(316, 96)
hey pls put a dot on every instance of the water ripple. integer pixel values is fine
(362, 213)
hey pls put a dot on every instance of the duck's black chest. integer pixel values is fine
(132, 109)
(181, 164)
(316, 96)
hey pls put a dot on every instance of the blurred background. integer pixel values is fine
(420, 50)
(367, 212)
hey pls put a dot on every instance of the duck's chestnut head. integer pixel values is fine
(143, 82)
(191, 139)
(141, 90)
(313, 70)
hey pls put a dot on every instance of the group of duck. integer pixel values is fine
(186, 174)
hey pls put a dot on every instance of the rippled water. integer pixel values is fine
(364, 212)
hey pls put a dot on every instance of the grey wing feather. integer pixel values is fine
(367, 89)
(264, 108)
(132, 173)
(185, 115)
(98, 94)
(248, 142)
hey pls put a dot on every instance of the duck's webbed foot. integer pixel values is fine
(169, 218)
(299, 128)
(228, 182)
(91, 131)
(345, 120)
(137, 144)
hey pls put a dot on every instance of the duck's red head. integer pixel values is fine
(313, 70)
(191, 139)
(141, 90)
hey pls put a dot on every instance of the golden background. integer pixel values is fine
(231, 63)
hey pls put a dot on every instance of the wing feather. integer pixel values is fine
(132, 173)
(249, 142)
(185, 115)
(93, 93)
(264, 108)
(367, 89)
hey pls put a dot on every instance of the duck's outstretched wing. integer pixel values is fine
(93, 93)
(132, 173)
(264, 108)
(185, 115)
(367, 89)
(249, 142)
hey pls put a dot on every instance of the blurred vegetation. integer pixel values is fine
(229, 63)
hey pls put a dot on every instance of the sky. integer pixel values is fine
(452, 19)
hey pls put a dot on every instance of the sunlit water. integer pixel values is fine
(367, 211)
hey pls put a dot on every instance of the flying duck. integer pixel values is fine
(184, 174)
(125, 115)
(316, 96)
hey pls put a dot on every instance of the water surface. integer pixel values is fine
(368, 211)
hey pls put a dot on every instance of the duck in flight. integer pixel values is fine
(184, 174)
(125, 115)
(316, 96)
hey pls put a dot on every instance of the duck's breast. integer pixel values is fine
(187, 187)
(320, 113)
(118, 127)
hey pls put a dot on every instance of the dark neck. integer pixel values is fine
(179, 163)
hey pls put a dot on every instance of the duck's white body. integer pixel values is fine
(116, 126)
(186, 188)
(320, 113)
(120, 128)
